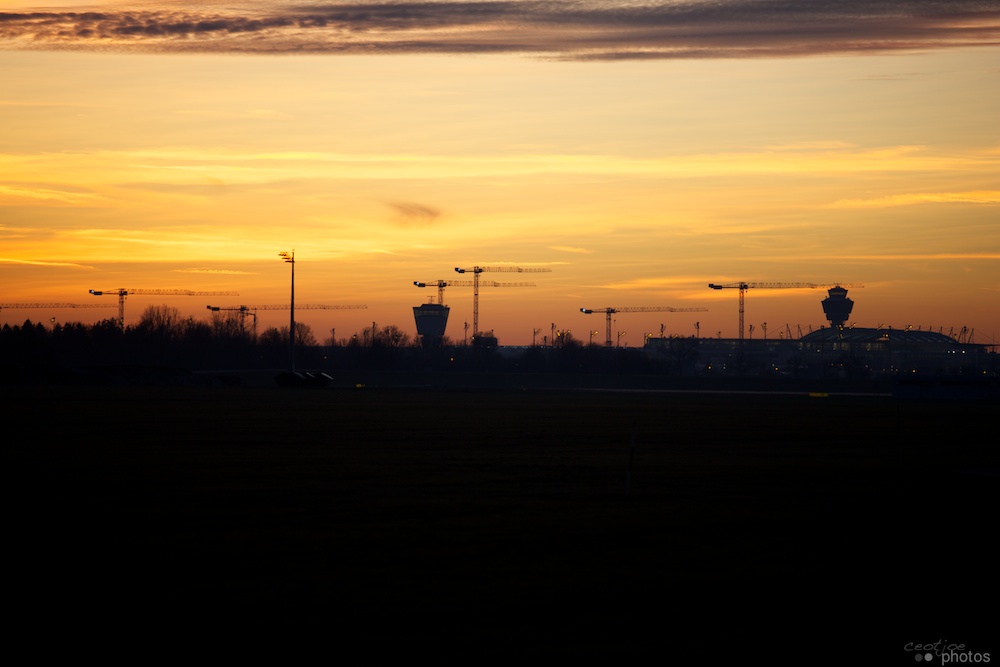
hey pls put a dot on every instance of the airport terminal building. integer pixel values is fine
(836, 352)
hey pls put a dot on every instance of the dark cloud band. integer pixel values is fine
(582, 30)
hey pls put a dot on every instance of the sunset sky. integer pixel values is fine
(639, 150)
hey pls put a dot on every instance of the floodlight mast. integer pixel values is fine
(289, 257)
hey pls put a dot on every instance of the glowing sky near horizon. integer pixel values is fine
(638, 150)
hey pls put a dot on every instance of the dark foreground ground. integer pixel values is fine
(788, 529)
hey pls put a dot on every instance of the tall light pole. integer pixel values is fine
(290, 258)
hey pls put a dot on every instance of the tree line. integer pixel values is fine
(164, 338)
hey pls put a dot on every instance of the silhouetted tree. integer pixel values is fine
(274, 336)
(303, 335)
(229, 324)
(164, 321)
(392, 336)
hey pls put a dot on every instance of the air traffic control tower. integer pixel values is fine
(837, 306)
(431, 320)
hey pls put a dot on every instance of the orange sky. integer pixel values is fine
(639, 157)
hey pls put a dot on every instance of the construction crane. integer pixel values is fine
(441, 284)
(744, 286)
(54, 305)
(122, 293)
(252, 310)
(476, 270)
(637, 309)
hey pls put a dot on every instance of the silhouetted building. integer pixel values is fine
(431, 320)
(837, 306)
(829, 352)
(484, 341)
(836, 351)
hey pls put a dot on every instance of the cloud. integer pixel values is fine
(48, 195)
(909, 199)
(588, 30)
(252, 114)
(877, 260)
(227, 272)
(408, 214)
(566, 248)
(909, 257)
(658, 282)
(30, 262)
(826, 145)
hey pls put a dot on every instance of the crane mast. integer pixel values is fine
(635, 309)
(122, 293)
(475, 271)
(743, 286)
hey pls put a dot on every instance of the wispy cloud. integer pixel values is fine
(49, 195)
(656, 282)
(211, 168)
(410, 214)
(227, 272)
(32, 262)
(909, 199)
(621, 29)
(874, 260)
(908, 257)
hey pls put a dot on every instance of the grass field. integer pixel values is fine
(537, 522)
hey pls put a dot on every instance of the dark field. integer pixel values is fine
(521, 523)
